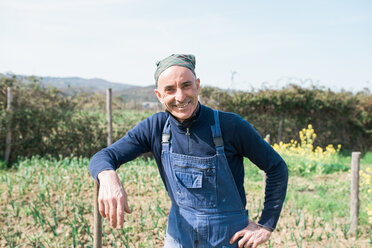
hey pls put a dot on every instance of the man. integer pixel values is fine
(199, 152)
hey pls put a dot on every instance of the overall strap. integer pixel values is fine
(216, 132)
(165, 137)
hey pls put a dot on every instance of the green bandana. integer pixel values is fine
(185, 60)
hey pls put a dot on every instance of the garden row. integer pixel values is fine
(47, 202)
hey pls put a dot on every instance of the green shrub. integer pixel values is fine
(340, 118)
(47, 121)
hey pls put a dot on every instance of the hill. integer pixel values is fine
(132, 95)
(93, 84)
(75, 83)
(138, 94)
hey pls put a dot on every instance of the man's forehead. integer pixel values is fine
(174, 75)
(173, 84)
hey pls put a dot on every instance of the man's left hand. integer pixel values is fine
(251, 236)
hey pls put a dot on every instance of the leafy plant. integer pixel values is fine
(303, 158)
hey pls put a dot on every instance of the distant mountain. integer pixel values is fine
(139, 94)
(128, 93)
(77, 83)
(93, 84)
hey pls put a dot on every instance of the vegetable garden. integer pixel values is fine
(47, 202)
(46, 192)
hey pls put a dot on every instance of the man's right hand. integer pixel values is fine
(112, 198)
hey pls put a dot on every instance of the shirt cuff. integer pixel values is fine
(266, 227)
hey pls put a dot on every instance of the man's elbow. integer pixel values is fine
(278, 174)
(101, 161)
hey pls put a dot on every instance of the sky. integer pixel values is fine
(238, 44)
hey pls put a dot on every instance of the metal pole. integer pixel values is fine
(8, 139)
(354, 194)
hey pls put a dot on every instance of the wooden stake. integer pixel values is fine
(97, 243)
(109, 115)
(280, 130)
(97, 239)
(8, 139)
(354, 193)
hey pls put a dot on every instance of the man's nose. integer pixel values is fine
(180, 95)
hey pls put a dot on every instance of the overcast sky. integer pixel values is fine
(267, 43)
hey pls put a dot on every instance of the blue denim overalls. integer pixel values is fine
(206, 206)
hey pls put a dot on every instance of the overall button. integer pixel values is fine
(196, 242)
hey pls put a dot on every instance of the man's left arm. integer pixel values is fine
(251, 145)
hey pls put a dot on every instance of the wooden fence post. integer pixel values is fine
(354, 193)
(267, 139)
(97, 238)
(97, 242)
(8, 139)
(280, 130)
(109, 115)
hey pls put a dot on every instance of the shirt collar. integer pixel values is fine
(187, 123)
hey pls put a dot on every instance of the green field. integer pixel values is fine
(47, 202)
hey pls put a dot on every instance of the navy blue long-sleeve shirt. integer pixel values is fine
(240, 140)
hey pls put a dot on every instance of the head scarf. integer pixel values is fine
(185, 60)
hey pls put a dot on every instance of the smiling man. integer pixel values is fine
(178, 91)
(199, 152)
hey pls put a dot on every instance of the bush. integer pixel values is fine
(3, 165)
(303, 158)
(341, 118)
(47, 121)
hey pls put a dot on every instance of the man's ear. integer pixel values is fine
(198, 85)
(158, 95)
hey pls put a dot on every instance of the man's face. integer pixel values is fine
(178, 91)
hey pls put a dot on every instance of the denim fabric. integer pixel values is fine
(170, 242)
(239, 140)
(206, 205)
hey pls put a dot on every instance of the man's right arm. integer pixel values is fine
(112, 198)
(133, 144)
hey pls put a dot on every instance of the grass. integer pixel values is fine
(366, 159)
(47, 202)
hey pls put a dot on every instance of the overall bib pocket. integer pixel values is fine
(196, 185)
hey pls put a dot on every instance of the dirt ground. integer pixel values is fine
(52, 207)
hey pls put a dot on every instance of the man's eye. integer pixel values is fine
(169, 90)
